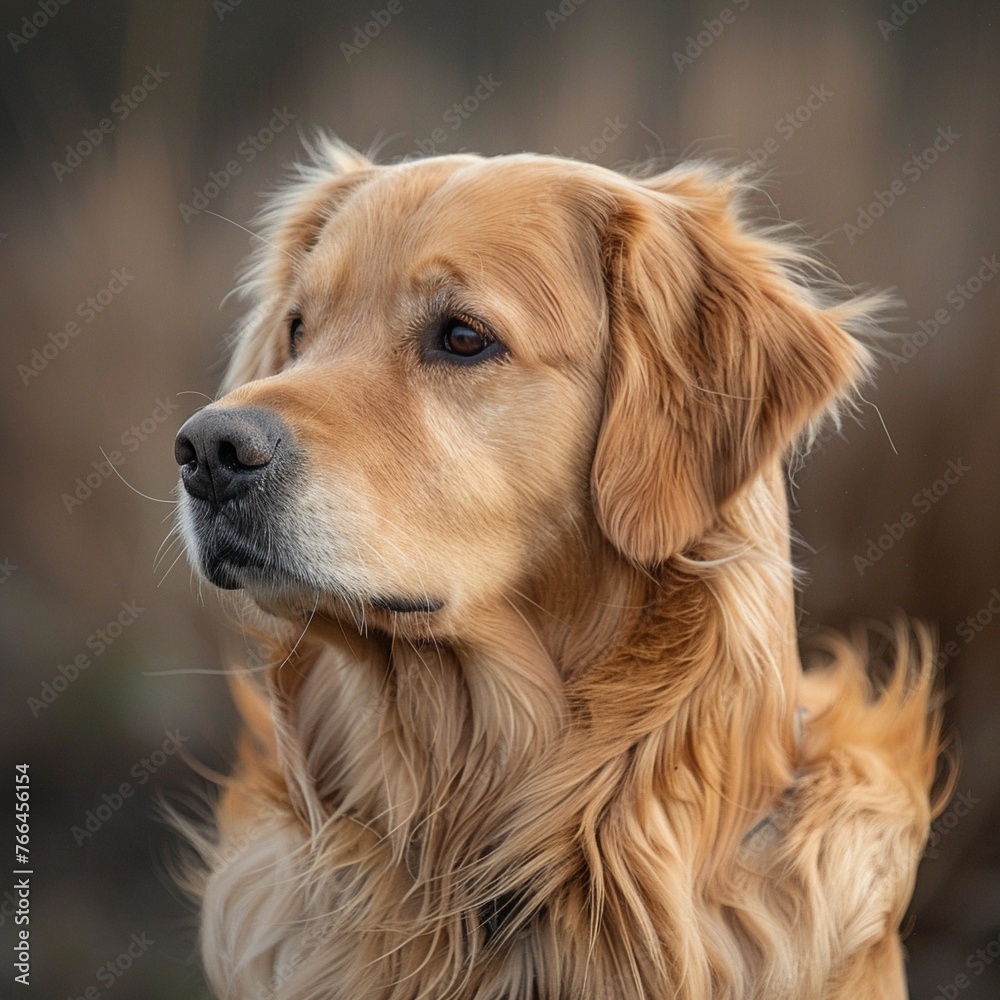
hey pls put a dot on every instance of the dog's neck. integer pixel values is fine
(521, 753)
(692, 670)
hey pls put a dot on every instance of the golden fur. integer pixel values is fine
(597, 769)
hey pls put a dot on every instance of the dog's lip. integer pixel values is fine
(228, 573)
(223, 575)
(227, 560)
(232, 561)
(407, 605)
(231, 571)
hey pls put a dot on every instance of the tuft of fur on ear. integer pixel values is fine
(289, 227)
(720, 357)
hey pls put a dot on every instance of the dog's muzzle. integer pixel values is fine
(235, 465)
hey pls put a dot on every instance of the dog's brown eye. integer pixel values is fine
(464, 340)
(460, 339)
(296, 329)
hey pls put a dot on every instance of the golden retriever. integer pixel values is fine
(500, 453)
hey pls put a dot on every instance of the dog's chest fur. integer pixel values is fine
(425, 858)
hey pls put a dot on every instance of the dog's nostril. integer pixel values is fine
(246, 451)
(184, 452)
(223, 453)
(227, 455)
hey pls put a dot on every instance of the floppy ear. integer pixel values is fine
(719, 358)
(289, 227)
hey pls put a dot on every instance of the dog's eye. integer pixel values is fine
(464, 339)
(296, 330)
(461, 338)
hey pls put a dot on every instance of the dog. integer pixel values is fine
(501, 460)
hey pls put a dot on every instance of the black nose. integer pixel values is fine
(223, 453)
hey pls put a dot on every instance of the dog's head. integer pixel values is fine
(459, 365)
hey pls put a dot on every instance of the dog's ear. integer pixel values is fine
(289, 227)
(719, 357)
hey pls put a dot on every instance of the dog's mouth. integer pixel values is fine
(408, 605)
(230, 558)
(233, 557)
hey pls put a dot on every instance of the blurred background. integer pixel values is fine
(124, 125)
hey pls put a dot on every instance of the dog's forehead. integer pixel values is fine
(478, 218)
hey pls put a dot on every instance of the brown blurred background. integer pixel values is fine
(842, 111)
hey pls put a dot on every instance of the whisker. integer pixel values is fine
(195, 670)
(130, 486)
(305, 628)
(195, 392)
(172, 535)
(879, 412)
(530, 627)
(177, 559)
(541, 607)
(252, 233)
